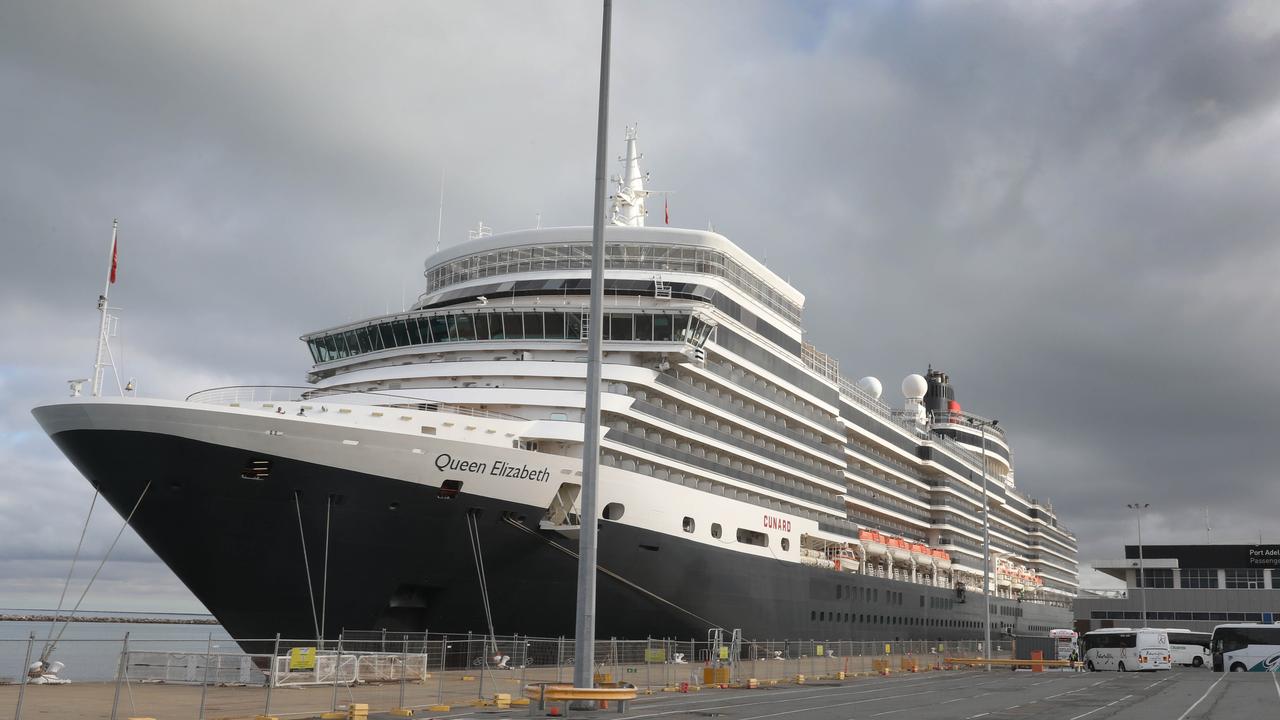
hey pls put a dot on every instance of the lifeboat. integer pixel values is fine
(941, 559)
(900, 550)
(873, 544)
(920, 553)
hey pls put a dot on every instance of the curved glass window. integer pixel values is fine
(502, 324)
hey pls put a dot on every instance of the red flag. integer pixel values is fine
(666, 211)
(115, 247)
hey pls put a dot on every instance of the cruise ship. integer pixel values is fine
(427, 474)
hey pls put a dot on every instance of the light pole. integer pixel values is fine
(1142, 580)
(982, 426)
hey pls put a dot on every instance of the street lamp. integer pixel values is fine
(982, 426)
(1142, 581)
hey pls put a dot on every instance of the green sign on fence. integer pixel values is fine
(655, 655)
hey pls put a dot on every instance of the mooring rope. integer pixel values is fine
(473, 532)
(44, 654)
(75, 609)
(513, 522)
(306, 564)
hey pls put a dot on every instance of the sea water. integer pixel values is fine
(91, 650)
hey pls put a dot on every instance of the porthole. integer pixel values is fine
(786, 544)
(614, 511)
(688, 525)
(715, 530)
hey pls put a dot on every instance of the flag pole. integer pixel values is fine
(585, 624)
(102, 308)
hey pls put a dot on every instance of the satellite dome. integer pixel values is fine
(871, 386)
(914, 387)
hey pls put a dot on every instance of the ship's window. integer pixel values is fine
(388, 336)
(451, 324)
(440, 329)
(822, 616)
(553, 324)
(679, 324)
(813, 615)
(786, 544)
(482, 326)
(513, 326)
(559, 416)
(400, 330)
(533, 326)
(449, 489)
(614, 511)
(688, 525)
(644, 327)
(414, 337)
(751, 537)
(466, 328)
(352, 341)
(662, 328)
(715, 530)
(256, 470)
(424, 329)
(573, 326)
(839, 591)
(620, 327)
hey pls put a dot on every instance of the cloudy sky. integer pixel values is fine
(1071, 207)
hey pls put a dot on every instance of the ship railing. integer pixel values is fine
(243, 395)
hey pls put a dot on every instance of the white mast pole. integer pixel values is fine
(440, 215)
(585, 623)
(102, 308)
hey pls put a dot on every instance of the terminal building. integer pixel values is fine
(1187, 586)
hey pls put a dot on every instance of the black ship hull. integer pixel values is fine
(385, 553)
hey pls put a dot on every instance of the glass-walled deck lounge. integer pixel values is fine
(501, 324)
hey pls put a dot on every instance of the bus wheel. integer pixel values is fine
(1238, 667)
(1197, 661)
(1122, 666)
(1089, 666)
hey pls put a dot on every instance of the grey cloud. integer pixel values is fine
(1069, 208)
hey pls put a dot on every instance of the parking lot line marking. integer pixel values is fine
(1184, 715)
(1156, 683)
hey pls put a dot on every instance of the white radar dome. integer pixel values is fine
(871, 386)
(914, 387)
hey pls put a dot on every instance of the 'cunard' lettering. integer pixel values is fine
(777, 523)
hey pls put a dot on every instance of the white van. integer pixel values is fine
(1126, 649)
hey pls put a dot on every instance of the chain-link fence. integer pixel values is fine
(420, 670)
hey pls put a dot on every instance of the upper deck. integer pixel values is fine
(566, 252)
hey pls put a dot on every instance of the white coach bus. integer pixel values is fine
(1239, 647)
(1189, 648)
(1126, 649)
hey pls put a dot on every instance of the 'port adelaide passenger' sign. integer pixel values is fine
(499, 468)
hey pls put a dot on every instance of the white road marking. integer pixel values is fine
(947, 702)
(971, 717)
(1276, 680)
(1156, 683)
(890, 712)
(686, 706)
(1103, 707)
(825, 707)
(1184, 715)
